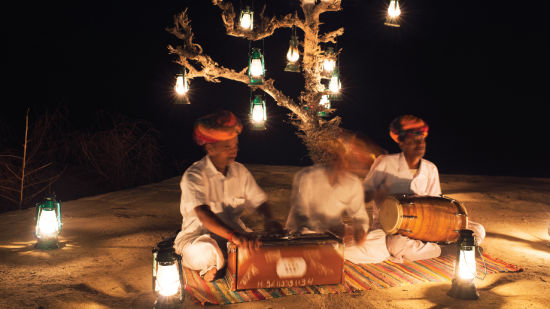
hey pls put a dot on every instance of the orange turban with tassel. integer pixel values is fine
(402, 126)
(216, 127)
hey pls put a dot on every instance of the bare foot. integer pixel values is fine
(209, 276)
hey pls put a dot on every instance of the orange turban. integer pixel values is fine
(217, 127)
(407, 124)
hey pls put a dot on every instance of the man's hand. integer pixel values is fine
(246, 241)
(360, 236)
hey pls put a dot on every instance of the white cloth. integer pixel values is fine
(318, 206)
(227, 195)
(392, 173)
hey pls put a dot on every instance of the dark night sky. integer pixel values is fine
(472, 69)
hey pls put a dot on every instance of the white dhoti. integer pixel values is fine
(373, 250)
(199, 252)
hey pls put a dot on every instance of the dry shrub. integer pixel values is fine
(124, 154)
(28, 171)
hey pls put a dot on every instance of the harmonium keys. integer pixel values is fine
(286, 261)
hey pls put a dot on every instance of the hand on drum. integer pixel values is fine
(246, 241)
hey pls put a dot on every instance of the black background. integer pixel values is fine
(475, 71)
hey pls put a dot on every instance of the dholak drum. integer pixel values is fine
(427, 218)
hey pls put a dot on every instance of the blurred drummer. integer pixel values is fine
(214, 193)
(323, 193)
(407, 173)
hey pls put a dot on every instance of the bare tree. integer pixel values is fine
(23, 177)
(304, 110)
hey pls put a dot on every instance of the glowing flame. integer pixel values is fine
(246, 21)
(293, 54)
(334, 85)
(467, 265)
(168, 280)
(258, 114)
(325, 102)
(181, 85)
(329, 65)
(47, 224)
(393, 9)
(256, 68)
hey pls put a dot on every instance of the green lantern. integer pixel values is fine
(48, 223)
(258, 114)
(324, 105)
(168, 282)
(246, 19)
(392, 19)
(335, 84)
(256, 67)
(182, 88)
(292, 56)
(465, 268)
(329, 63)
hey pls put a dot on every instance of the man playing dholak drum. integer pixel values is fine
(407, 173)
(214, 193)
(323, 193)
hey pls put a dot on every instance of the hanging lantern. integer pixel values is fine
(325, 104)
(292, 56)
(247, 19)
(258, 114)
(329, 63)
(48, 223)
(392, 19)
(168, 283)
(256, 68)
(465, 268)
(181, 88)
(334, 84)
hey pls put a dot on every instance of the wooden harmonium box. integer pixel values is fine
(286, 261)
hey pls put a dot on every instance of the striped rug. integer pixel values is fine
(356, 278)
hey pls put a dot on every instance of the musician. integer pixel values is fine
(407, 173)
(214, 193)
(323, 193)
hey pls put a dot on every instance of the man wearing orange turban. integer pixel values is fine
(214, 192)
(407, 173)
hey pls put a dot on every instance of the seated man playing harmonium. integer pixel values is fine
(324, 193)
(214, 192)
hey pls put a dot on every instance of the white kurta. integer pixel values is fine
(392, 172)
(318, 206)
(227, 197)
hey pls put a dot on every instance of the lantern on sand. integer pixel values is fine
(246, 19)
(48, 223)
(168, 283)
(181, 88)
(392, 19)
(465, 268)
(258, 114)
(256, 68)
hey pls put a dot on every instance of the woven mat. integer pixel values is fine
(356, 278)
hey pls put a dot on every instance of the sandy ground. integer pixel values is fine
(105, 260)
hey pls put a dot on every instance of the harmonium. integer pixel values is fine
(286, 261)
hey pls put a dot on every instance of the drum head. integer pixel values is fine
(391, 215)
